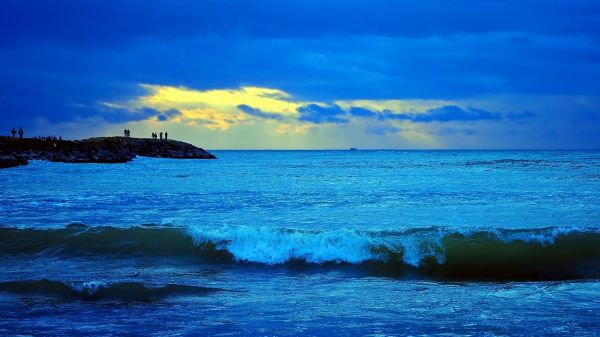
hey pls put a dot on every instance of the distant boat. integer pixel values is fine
(353, 149)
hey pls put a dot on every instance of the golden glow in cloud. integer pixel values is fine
(274, 115)
(217, 109)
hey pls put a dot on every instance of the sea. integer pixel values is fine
(314, 243)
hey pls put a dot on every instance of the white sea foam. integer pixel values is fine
(277, 245)
(273, 246)
(88, 287)
(543, 236)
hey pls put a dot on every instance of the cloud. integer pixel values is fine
(73, 21)
(361, 112)
(453, 113)
(140, 114)
(443, 65)
(221, 108)
(445, 113)
(388, 114)
(420, 123)
(167, 115)
(217, 109)
(518, 116)
(318, 114)
(259, 113)
(56, 56)
(117, 114)
(265, 99)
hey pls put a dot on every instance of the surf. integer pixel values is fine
(96, 290)
(434, 252)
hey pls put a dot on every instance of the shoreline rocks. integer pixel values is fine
(16, 152)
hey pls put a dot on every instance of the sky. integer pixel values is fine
(272, 74)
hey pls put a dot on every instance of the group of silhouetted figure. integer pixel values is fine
(14, 132)
(49, 138)
(157, 135)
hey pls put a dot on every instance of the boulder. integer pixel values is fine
(15, 152)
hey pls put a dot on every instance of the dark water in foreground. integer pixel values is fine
(309, 242)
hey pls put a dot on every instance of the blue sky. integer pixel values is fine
(306, 74)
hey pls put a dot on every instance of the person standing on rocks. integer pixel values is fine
(21, 132)
(14, 132)
(161, 135)
(166, 135)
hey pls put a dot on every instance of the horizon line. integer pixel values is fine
(393, 149)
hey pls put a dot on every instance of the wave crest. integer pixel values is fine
(101, 290)
(552, 252)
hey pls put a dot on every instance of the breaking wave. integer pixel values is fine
(99, 290)
(545, 253)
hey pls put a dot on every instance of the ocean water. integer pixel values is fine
(284, 243)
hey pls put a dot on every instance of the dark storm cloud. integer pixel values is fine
(167, 115)
(362, 112)
(387, 114)
(57, 56)
(258, 113)
(452, 113)
(322, 114)
(113, 21)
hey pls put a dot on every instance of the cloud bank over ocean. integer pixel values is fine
(382, 75)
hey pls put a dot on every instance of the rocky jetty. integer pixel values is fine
(15, 152)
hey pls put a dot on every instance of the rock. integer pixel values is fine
(15, 152)
(12, 161)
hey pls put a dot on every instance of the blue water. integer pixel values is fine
(304, 242)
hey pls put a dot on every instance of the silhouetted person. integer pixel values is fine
(166, 135)
(20, 132)
(161, 135)
(14, 132)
